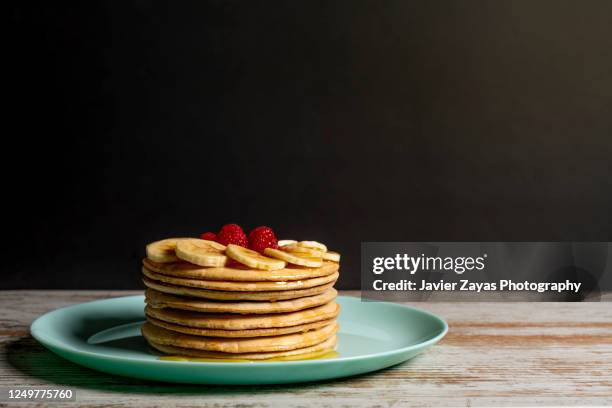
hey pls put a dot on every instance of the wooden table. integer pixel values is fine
(494, 354)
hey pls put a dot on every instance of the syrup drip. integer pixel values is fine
(316, 355)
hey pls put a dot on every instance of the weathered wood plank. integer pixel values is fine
(495, 354)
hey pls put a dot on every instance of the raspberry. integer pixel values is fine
(232, 234)
(261, 238)
(209, 236)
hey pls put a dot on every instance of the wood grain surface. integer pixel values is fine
(495, 354)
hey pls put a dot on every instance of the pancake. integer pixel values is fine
(229, 322)
(238, 272)
(159, 335)
(227, 295)
(273, 331)
(327, 345)
(237, 286)
(160, 300)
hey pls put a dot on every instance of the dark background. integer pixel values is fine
(340, 121)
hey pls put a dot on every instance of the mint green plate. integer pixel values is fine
(105, 335)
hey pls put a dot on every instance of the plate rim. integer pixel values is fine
(51, 343)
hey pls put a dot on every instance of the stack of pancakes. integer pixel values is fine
(236, 311)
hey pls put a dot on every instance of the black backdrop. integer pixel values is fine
(340, 121)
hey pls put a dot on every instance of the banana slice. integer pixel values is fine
(295, 258)
(201, 252)
(284, 242)
(163, 251)
(253, 259)
(295, 248)
(313, 245)
(331, 256)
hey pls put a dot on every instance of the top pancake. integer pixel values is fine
(239, 286)
(239, 273)
(224, 295)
